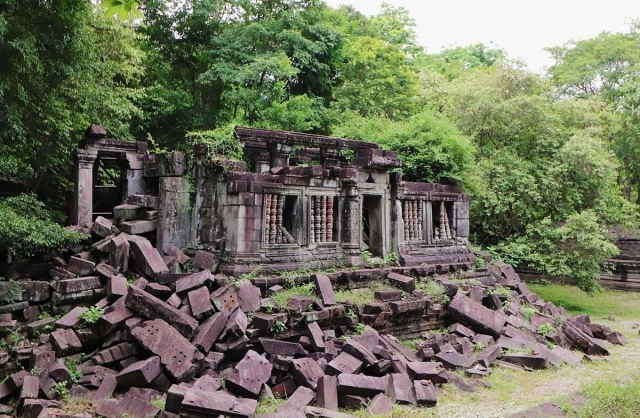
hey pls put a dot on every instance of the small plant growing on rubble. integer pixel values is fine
(35, 371)
(390, 259)
(544, 329)
(350, 314)
(61, 389)
(527, 312)
(159, 402)
(91, 315)
(360, 328)
(366, 255)
(478, 346)
(72, 365)
(279, 327)
(268, 307)
(505, 305)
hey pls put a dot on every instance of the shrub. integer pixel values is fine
(27, 228)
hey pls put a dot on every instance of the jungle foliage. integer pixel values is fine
(551, 162)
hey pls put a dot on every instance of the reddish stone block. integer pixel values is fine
(209, 332)
(361, 385)
(327, 395)
(139, 374)
(181, 359)
(249, 375)
(324, 289)
(200, 302)
(151, 307)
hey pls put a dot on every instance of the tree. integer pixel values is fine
(64, 66)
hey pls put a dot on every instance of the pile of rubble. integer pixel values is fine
(211, 346)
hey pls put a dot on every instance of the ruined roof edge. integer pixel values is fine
(297, 138)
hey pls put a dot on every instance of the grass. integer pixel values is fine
(575, 301)
(282, 298)
(609, 383)
(361, 296)
(267, 405)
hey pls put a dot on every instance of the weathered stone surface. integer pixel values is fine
(41, 358)
(30, 387)
(283, 348)
(65, 342)
(263, 321)
(207, 383)
(106, 389)
(181, 359)
(204, 260)
(80, 266)
(200, 302)
(192, 282)
(488, 355)
(250, 296)
(306, 372)
(237, 324)
(566, 355)
(401, 388)
(408, 284)
(130, 405)
(176, 253)
(119, 248)
(380, 404)
(451, 359)
(226, 299)
(199, 404)
(316, 336)
(432, 371)
(327, 395)
(116, 287)
(148, 258)
(315, 412)
(387, 295)
(352, 401)
(59, 372)
(361, 385)
(115, 353)
(616, 338)
(249, 375)
(299, 304)
(113, 318)
(209, 332)
(324, 289)
(144, 201)
(138, 227)
(344, 363)
(126, 212)
(301, 397)
(102, 227)
(582, 340)
(78, 284)
(462, 330)
(526, 359)
(359, 351)
(285, 388)
(425, 393)
(151, 307)
(139, 374)
(476, 315)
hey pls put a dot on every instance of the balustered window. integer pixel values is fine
(323, 214)
(412, 216)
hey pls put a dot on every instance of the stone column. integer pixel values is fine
(263, 162)
(174, 214)
(83, 203)
(279, 154)
(351, 224)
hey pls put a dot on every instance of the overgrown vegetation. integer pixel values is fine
(91, 315)
(28, 228)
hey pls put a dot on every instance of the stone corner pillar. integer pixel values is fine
(279, 154)
(174, 213)
(82, 212)
(351, 224)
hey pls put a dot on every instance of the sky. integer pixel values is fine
(520, 27)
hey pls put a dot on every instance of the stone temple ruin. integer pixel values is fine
(302, 203)
(209, 287)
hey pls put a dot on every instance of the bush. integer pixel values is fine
(27, 228)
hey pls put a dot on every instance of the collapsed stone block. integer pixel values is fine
(199, 404)
(149, 259)
(249, 375)
(139, 374)
(306, 372)
(361, 385)
(476, 315)
(65, 342)
(151, 307)
(181, 359)
(80, 266)
(327, 395)
(324, 289)
(209, 332)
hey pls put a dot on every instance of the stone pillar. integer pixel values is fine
(263, 162)
(83, 203)
(279, 154)
(174, 214)
(351, 224)
(461, 219)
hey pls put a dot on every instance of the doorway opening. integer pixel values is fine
(371, 233)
